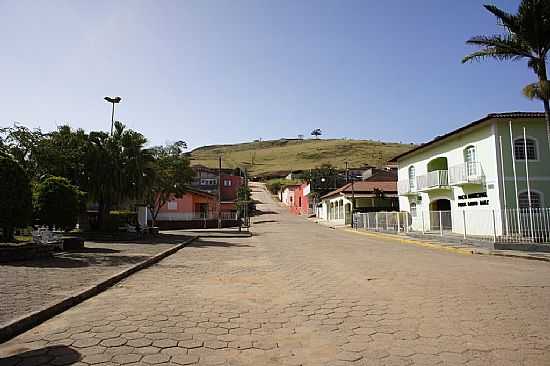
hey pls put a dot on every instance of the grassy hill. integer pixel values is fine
(293, 154)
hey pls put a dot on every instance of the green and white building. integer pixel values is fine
(487, 178)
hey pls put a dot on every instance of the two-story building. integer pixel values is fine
(480, 178)
(223, 182)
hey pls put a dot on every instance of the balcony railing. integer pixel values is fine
(406, 187)
(466, 173)
(433, 180)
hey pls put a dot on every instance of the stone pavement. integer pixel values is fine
(27, 286)
(297, 293)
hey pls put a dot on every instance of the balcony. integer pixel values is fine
(466, 173)
(405, 188)
(437, 179)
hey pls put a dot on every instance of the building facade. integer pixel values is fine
(374, 195)
(470, 179)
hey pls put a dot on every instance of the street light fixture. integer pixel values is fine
(113, 101)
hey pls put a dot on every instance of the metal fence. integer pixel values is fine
(503, 226)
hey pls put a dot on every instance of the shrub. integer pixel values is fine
(15, 197)
(57, 203)
(117, 219)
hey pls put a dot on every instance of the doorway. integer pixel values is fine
(440, 215)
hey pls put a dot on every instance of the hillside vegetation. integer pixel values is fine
(292, 154)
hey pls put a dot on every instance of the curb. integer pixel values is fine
(29, 321)
(437, 246)
(425, 244)
(510, 255)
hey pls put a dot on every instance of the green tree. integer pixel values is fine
(316, 133)
(526, 37)
(116, 168)
(244, 201)
(15, 197)
(23, 144)
(57, 203)
(168, 176)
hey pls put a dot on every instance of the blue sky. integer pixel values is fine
(225, 71)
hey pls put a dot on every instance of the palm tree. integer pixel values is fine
(527, 36)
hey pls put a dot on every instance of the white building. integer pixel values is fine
(464, 181)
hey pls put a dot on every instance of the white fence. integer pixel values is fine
(506, 226)
(190, 216)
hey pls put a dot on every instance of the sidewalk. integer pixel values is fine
(462, 248)
(28, 286)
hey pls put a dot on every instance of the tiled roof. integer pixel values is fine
(470, 125)
(365, 186)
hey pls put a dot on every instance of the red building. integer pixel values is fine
(300, 204)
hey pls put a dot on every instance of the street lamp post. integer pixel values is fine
(113, 101)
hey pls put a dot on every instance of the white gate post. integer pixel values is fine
(398, 223)
(368, 221)
(464, 222)
(376, 219)
(440, 224)
(422, 221)
(494, 227)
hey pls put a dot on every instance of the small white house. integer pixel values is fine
(474, 180)
(373, 195)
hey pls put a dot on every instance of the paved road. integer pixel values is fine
(27, 286)
(298, 293)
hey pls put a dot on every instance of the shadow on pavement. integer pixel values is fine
(202, 243)
(260, 212)
(162, 238)
(263, 221)
(78, 260)
(54, 355)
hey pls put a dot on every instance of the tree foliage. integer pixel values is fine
(323, 179)
(113, 170)
(316, 132)
(244, 195)
(168, 177)
(15, 197)
(526, 37)
(57, 203)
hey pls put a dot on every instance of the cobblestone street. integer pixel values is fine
(298, 293)
(28, 286)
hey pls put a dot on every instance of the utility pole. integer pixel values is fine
(347, 174)
(220, 192)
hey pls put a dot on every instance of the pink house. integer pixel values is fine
(300, 201)
(194, 204)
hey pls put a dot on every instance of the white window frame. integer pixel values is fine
(413, 207)
(172, 205)
(227, 183)
(208, 181)
(412, 181)
(534, 139)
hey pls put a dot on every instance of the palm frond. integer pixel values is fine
(507, 20)
(539, 90)
(500, 47)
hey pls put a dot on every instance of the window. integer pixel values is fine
(413, 209)
(536, 200)
(209, 182)
(172, 205)
(470, 160)
(227, 182)
(411, 178)
(519, 149)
